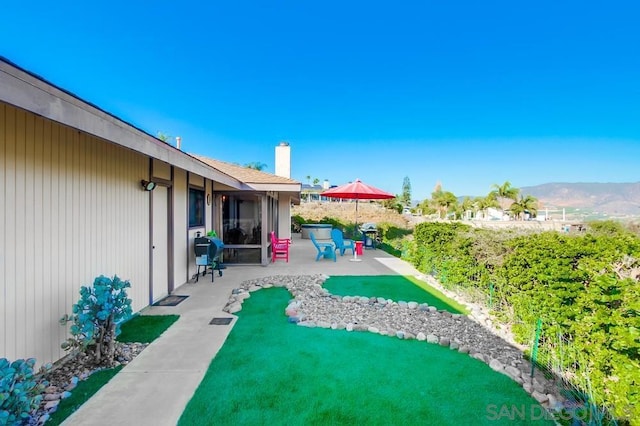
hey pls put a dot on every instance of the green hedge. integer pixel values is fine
(584, 288)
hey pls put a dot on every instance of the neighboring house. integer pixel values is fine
(311, 193)
(73, 206)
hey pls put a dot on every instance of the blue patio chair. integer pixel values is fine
(326, 250)
(342, 243)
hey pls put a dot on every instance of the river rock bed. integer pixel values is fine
(65, 375)
(313, 306)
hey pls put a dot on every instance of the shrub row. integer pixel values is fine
(585, 288)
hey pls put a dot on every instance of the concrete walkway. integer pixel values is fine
(156, 386)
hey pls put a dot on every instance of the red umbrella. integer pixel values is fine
(357, 191)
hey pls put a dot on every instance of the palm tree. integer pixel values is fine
(256, 165)
(442, 201)
(504, 193)
(525, 204)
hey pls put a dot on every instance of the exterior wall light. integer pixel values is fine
(147, 185)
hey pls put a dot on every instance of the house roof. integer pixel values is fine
(255, 179)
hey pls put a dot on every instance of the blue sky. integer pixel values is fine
(463, 92)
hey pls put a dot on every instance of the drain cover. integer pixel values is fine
(220, 321)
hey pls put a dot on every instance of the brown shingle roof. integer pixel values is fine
(245, 174)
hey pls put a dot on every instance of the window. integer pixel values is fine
(196, 207)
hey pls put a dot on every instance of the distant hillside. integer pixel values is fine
(612, 199)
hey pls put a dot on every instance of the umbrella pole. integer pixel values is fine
(355, 252)
(356, 215)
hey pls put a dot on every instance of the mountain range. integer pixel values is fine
(595, 199)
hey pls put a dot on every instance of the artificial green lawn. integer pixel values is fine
(394, 287)
(145, 328)
(141, 329)
(270, 371)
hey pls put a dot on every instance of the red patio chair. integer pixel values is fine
(279, 248)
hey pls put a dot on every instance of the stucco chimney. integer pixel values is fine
(283, 160)
(325, 184)
(178, 141)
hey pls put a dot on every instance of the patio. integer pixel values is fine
(156, 386)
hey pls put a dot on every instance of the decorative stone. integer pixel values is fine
(538, 386)
(464, 349)
(444, 341)
(349, 327)
(478, 356)
(51, 397)
(372, 329)
(412, 305)
(454, 345)
(528, 387)
(421, 336)
(51, 405)
(496, 365)
(553, 403)
(233, 308)
(402, 304)
(512, 372)
(432, 338)
(51, 389)
(400, 334)
(540, 397)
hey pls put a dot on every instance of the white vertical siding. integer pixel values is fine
(284, 216)
(72, 209)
